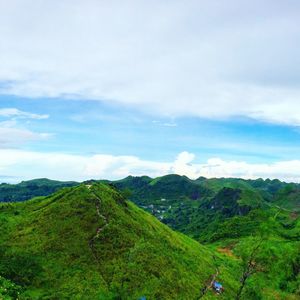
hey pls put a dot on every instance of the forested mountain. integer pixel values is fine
(199, 207)
(145, 190)
(250, 230)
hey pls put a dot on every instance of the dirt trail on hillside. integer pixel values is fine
(99, 229)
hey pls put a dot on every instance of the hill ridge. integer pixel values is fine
(132, 255)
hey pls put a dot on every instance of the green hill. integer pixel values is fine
(88, 242)
(201, 207)
(145, 190)
(205, 209)
(288, 198)
(31, 188)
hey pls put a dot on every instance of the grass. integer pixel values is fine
(46, 249)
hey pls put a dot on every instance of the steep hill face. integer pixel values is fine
(234, 202)
(88, 242)
(288, 198)
(230, 213)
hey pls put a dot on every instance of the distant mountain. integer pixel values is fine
(31, 188)
(174, 187)
(201, 207)
(144, 190)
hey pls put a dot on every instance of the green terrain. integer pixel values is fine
(31, 188)
(89, 242)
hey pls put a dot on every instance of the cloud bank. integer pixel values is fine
(212, 59)
(19, 165)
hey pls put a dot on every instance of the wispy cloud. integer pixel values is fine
(16, 137)
(12, 133)
(212, 59)
(16, 113)
(166, 124)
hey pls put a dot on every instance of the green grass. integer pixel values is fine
(51, 249)
(82, 243)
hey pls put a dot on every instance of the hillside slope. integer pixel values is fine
(87, 242)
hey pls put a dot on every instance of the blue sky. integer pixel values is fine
(108, 89)
(90, 127)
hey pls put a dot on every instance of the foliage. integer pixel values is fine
(88, 242)
(8, 289)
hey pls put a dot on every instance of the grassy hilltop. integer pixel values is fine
(88, 242)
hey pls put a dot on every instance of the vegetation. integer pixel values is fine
(89, 242)
(254, 222)
(31, 188)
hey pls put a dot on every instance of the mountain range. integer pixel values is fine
(87, 241)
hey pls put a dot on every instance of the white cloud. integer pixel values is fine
(14, 137)
(12, 134)
(166, 124)
(183, 165)
(26, 165)
(16, 113)
(213, 59)
(20, 165)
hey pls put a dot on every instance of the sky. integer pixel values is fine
(107, 89)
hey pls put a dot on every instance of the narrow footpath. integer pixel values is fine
(99, 229)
